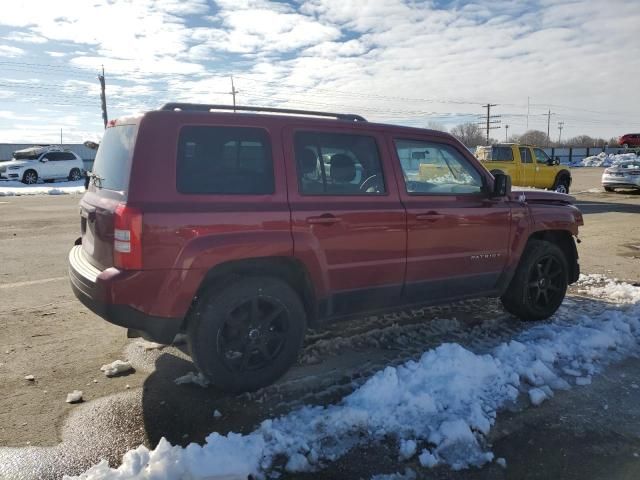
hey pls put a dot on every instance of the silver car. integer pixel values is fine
(625, 174)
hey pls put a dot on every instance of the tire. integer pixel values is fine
(609, 189)
(30, 177)
(74, 175)
(562, 185)
(539, 284)
(248, 334)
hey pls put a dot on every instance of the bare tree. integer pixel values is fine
(469, 133)
(586, 141)
(534, 137)
(434, 125)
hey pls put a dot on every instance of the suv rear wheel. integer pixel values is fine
(540, 283)
(246, 335)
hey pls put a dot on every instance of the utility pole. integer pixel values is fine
(506, 133)
(528, 113)
(560, 127)
(233, 93)
(490, 121)
(60, 137)
(549, 126)
(103, 98)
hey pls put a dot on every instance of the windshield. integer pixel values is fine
(113, 160)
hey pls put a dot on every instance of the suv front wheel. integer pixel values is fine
(246, 335)
(540, 282)
(30, 177)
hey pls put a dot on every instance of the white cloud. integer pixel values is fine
(10, 52)
(397, 60)
(25, 37)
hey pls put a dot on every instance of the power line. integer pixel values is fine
(560, 127)
(548, 126)
(490, 122)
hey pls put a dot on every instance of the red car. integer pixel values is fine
(629, 140)
(241, 229)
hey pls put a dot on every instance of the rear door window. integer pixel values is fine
(338, 164)
(502, 154)
(525, 156)
(224, 160)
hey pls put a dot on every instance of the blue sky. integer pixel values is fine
(401, 61)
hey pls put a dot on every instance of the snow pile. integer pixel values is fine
(116, 368)
(604, 160)
(600, 286)
(11, 188)
(441, 405)
(74, 397)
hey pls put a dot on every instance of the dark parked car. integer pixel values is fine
(241, 229)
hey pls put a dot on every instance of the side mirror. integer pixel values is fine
(501, 185)
(87, 179)
(45, 159)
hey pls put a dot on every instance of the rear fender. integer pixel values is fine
(203, 253)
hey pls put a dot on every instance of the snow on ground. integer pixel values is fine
(116, 368)
(441, 405)
(74, 397)
(604, 160)
(11, 188)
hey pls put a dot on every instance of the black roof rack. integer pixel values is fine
(202, 107)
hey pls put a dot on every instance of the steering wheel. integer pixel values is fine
(372, 181)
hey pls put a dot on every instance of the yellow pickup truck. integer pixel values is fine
(527, 165)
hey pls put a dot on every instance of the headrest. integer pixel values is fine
(307, 161)
(343, 168)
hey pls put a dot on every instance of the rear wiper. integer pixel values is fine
(95, 179)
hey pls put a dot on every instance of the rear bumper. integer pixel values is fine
(97, 290)
(628, 181)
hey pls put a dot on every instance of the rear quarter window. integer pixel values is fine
(224, 160)
(112, 165)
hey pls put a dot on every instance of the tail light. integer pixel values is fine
(127, 238)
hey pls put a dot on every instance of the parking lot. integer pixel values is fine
(47, 333)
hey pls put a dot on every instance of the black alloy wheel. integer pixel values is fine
(245, 333)
(539, 283)
(253, 334)
(546, 282)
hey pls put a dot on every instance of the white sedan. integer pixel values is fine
(625, 174)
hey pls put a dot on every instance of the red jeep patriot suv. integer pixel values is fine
(241, 229)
